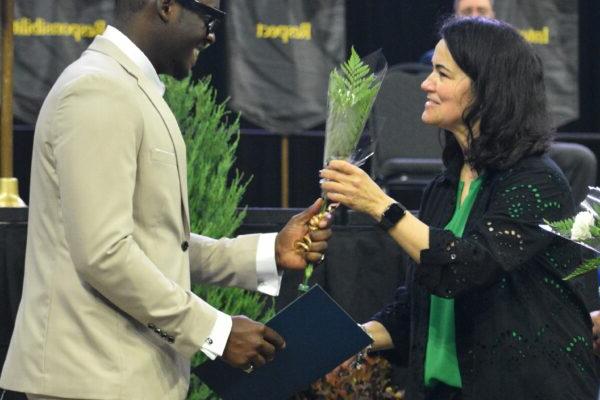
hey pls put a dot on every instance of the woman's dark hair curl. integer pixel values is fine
(509, 101)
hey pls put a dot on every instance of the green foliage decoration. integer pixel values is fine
(211, 140)
(351, 92)
(585, 231)
(591, 264)
(212, 135)
(563, 226)
(350, 95)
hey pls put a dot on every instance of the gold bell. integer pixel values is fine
(9, 193)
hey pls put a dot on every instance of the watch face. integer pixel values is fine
(392, 215)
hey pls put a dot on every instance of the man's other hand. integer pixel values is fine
(251, 344)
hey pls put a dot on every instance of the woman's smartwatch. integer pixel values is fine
(391, 215)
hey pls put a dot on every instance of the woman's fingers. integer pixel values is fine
(349, 185)
(340, 198)
(335, 187)
(332, 175)
(343, 166)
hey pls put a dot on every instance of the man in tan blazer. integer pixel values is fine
(107, 311)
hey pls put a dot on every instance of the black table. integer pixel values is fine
(13, 235)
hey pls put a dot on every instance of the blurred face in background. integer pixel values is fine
(474, 8)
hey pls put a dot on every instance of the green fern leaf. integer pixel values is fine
(589, 265)
(351, 93)
(563, 227)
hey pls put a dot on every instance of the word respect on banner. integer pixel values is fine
(284, 32)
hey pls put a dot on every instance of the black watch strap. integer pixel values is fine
(392, 214)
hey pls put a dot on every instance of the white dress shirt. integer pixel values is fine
(268, 277)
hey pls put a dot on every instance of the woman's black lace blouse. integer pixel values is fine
(521, 331)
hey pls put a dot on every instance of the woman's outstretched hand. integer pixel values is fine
(351, 186)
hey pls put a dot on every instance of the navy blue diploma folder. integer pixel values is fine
(319, 336)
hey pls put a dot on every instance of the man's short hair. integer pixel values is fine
(127, 7)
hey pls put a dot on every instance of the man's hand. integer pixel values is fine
(251, 344)
(287, 254)
(595, 315)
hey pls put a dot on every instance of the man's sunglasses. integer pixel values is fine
(212, 16)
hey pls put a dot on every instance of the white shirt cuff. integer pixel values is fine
(267, 275)
(215, 343)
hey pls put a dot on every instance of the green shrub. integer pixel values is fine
(211, 135)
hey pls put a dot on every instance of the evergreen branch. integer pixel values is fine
(215, 189)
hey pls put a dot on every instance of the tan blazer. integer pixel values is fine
(107, 311)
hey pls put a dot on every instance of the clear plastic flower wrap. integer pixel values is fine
(350, 96)
(351, 93)
(584, 229)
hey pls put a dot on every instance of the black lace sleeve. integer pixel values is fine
(395, 317)
(503, 239)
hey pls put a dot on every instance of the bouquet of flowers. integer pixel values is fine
(583, 229)
(350, 96)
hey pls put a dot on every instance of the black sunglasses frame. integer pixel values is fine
(211, 16)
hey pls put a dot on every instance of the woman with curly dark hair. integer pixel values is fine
(485, 313)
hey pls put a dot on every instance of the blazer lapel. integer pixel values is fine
(105, 46)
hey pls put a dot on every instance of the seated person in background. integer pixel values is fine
(466, 8)
(485, 313)
(474, 8)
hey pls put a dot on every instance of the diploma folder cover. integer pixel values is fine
(319, 336)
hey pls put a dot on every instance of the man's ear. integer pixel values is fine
(165, 9)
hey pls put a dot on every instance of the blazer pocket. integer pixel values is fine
(163, 156)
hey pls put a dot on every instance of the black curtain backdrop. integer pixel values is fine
(404, 30)
(589, 69)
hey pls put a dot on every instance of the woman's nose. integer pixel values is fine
(427, 84)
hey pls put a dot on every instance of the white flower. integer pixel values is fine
(581, 226)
